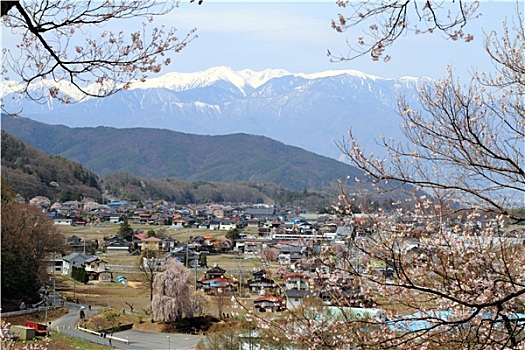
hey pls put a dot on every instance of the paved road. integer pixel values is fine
(137, 339)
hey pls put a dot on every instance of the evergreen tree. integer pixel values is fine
(125, 231)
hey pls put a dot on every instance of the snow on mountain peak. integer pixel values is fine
(333, 73)
(241, 79)
(256, 79)
(186, 81)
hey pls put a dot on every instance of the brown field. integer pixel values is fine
(107, 230)
(117, 298)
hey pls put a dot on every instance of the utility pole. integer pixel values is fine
(196, 263)
(240, 273)
(187, 244)
(54, 285)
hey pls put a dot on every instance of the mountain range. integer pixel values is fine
(309, 111)
(161, 154)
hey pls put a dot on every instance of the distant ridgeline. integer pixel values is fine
(162, 154)
(31, 172)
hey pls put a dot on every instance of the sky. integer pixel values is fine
(295, 36)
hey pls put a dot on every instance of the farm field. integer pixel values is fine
(133, 298)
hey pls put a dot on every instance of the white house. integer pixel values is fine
(72, 260)
(63, 221)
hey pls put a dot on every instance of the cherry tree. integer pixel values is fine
(384, 22)
(70, 43)
(172, 293)
(467, 141)
(442, 273)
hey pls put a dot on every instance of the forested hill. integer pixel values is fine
(158, 153)
(31, 172)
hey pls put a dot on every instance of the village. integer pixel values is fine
(240, 259)
(271, 258)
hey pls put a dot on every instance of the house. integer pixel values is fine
(297, 288)
(62, 221)
(223, 283)
(260, 283)
(263, 231)
(116, 244)
(218, 213)
(75, 244)
(115, 219)
(290, 253)
(296, 281)
(269, 303)
(295, 298)
(215, 272)
(214, 225)
(347, 295)
(97, 270)
(150, 243)
(182, 221)
(72, 260)
(168, 243)
(260, 213)
(145, 218)
(346, 232)
(214, 278)
(227, 225)
(181, 253)
(252, 245)
(54, 263)
(253, 222)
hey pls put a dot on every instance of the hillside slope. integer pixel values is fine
(161, 153)
(30, 173)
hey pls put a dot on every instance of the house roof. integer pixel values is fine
(139, 236)
(151, 239)
(75, 256)
(260, 211)
(218, 282)
(294, 293)
(295, 275)
(93, 259)
(216, 269)
(271, 298)
(117, 243)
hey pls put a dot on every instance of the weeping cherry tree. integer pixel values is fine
(171, 293)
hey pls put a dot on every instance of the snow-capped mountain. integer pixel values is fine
(187, 81)
(305, 110)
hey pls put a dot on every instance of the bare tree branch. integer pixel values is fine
(67, 42)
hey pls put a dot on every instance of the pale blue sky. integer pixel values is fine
(296, 35)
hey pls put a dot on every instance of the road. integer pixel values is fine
(136, 339)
